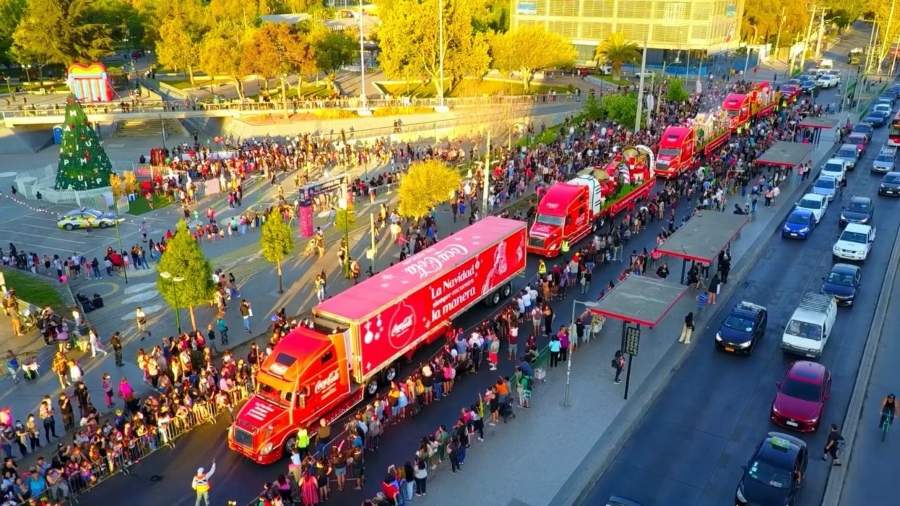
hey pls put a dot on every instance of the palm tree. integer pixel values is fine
(616, 51)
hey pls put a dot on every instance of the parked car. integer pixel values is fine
(775, 473)
(800, 397)
(87, 218)
(855, 242)
(885, 160)
(745, 325)
(848, 154)
(799, 224)
(827, 186)
(890, 185)
(842, 283)
(858, 210)
(816, 204)
(864, 128)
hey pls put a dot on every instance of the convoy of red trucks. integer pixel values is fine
(680, 144)
(357, 338)
(567, 211)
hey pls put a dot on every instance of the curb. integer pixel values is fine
(838, 475)
(575, 490)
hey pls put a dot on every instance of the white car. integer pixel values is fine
(816, 204)
(836, 168)
(855, 242)
(827, 81)
(883, 108)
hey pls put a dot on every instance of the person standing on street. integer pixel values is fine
(141, 319)
(222, 327)
(12, 365)
(246, 313)
(618, 363)
(687, 329)
(832, 445)
(201, 484)
(116, 342)
(45, 412)
(94, 341)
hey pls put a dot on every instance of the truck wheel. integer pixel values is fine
(494, 299)
(372, 387)
(506, 290)
(390, 374)
(289, 444)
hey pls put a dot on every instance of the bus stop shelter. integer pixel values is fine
(814, 126)
(786, 154)
(637, 301)
(703, 237)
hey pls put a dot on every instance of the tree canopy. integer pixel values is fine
(528, 49)
(11, 12)
(220, 54)
(185, 260)
(617, 51)
(61, 31)
(276, 242)
(178, 46)
(426, 185)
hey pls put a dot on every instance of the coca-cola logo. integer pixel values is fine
(326, 382)
(425, 265)
(402, 324)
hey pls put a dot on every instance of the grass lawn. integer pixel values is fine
(620, 194)
(141, 206)
(34, 289)
(311, 90)
(613, 80)
(470, 88)
(185, 84)
(48, 85)
(546, 137)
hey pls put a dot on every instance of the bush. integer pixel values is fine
(676, 92)
(620, 108)
(593, 110)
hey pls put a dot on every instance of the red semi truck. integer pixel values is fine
(679, 146)
(357, 338)
(758, 102)
(567, 211)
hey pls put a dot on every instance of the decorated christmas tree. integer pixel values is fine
(83, 164)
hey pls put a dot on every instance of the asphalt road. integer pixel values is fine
(693, 440)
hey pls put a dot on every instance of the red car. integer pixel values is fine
(789, 92)
(800, 399)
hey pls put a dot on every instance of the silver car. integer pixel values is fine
(885, 160)
(849, 153)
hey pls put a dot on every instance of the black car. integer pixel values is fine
(745, 325)
(890, 185)
(858, 210)
(864, 127)
(876, 118)
(775, 473)
(842, 283)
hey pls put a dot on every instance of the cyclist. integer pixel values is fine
(889, 409)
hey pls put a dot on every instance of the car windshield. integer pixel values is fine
(857, 237)
(845, 153)
(862, 129)
(800, 390)
(669, 151)
(859, 207)
(833, 167)
(803, 329)
(825, 183)
(771, 475)
(885, 157)
(840, 278)
(810, 204)
(735, 322)
(551, 220)
(892, 178)
(798, 219)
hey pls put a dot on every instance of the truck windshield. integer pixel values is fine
(273, 394)
(672, 152)
(856, 237)
(733, 112)
(551, 220)
(806, 330)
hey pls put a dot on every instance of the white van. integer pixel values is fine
(808, 329)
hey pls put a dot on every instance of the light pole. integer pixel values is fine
(640, 97)
(747, 49)
(175, 280)
(363, 98)
(575, 303)
(441, 106)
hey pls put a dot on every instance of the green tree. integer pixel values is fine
(426, 185)
(765, 15)
(63, 30)
(220, 54)
(675, 91)
(11, 12)
(491, 16)
(409, 41)
(616, 51)
(178, 46)
(276, 242)
(333, 50)
(275, 50)
(620, 108)
(184, 259)
(83, 164)
(528, 49)
(593, 110)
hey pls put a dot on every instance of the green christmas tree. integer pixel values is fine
(83, 164)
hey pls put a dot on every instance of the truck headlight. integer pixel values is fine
(266, 449)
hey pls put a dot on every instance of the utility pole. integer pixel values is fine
(809, 26)
(887, 34)
(870, 47)
(363, 98)
(640, 97)
(821, 33)
(894, 59)
(778, 37)
(486, 177)
(441, 106)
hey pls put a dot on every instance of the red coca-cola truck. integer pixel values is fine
(357, 339)
(679, 145)
(567, 211)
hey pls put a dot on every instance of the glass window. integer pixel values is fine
(673, 152)
(801, 390)
(551, 220)
(564, 8)
(806, 330)
(840, 278)
(859, 206)
(737, 323)
(769, 474)
(857, 237)
(798, 219)
(598, 8)
(825, 183)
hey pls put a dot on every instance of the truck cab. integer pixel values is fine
(563, 212)
(737, 105)
(300, 382)
(676, 151)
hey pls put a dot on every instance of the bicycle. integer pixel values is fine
(887, 418)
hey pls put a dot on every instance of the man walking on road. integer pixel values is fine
(832, 445)
(687, 329)
(246, 313)
(201, 485)
(141, 319)
(116, 342)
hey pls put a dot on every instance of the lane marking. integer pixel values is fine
(112, 289)
(153, 308)
(139, 287)
(15, 232)
(140, 297)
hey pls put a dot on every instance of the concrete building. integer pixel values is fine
(707, 25)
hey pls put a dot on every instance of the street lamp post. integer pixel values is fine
(175, 280)
(575, 303)
(640, 97)
(442, 107)
(747, 49)
(363, 98)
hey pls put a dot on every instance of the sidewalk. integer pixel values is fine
(552, 451)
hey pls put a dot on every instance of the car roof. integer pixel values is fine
(845, 268)
(826, 177)
(813, 196)
(802, 211)
(857, 227)
(747, 309)
(806, 371)
(780, 448)
(848, 145)
(860, 199)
